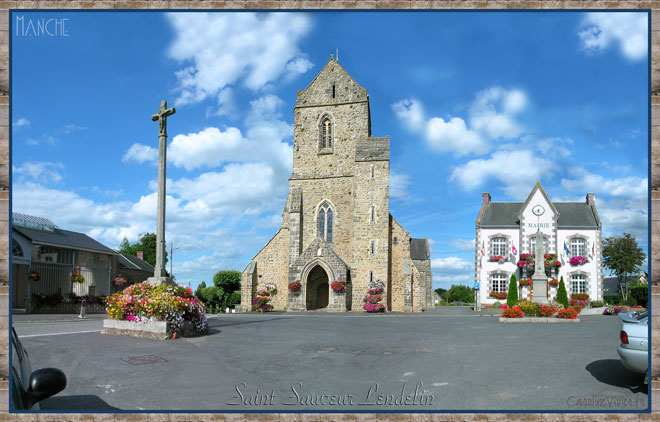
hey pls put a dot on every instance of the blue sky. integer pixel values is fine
(473, 102)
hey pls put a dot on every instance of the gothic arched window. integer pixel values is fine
(325, 133)
(325, 220)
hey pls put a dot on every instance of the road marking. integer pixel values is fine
(440, 384)
(59, 334)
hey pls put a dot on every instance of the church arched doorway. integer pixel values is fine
(318, 289)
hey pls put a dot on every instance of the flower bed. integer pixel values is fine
(514, 312)
(614, 310)
(546, 310)
(145, 302)
(567, 313)
(498, 295)
(294, 286)
(338, 286)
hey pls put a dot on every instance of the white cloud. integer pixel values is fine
(223, 49)
(399, 185)
(553, 147)
(451, 264)
(492, 113)
(624, 216)
(463, 244)
(585, 181)
(627, 30)
(411, 112)
(492, 116)
(22, 122)
(139, 153)
(500, 166)
(41, 172)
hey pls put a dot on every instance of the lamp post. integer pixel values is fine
(172, 255)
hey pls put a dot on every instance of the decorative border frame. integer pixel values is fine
(654, 200)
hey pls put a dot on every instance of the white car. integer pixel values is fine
(634, 346)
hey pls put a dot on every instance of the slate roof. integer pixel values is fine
(571, 215)
(373, 149)
(132, 261)
(610, 286)
(419, 249)
(65, 239)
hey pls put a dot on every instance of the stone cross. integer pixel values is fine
(160, 275)
(539, 279)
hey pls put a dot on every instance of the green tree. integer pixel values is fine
(562, 297)
(512, 296)
(146, 244)
(198, 292)
(441, 292)
(622, 256)
(230, 281)
(461, 294)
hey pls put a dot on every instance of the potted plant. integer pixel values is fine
(33, 275)
(77, 278)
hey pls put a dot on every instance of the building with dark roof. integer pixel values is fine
(506, 234)
(55, 254)
(336, 225)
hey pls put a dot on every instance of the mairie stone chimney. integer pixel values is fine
(486, 197)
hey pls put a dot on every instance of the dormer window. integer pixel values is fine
(325, 133)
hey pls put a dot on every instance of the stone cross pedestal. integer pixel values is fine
(539, 279)
(160, 275)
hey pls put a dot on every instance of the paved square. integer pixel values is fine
(447, 359)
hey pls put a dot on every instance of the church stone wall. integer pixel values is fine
(400, 254)
(272, 266)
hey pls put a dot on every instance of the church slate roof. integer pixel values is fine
(419, 249)
(571, 215)
(373, 149)
(65, 239)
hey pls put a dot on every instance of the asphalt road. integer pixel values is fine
(449, 359)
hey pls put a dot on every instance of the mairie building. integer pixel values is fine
(336, 225)
(506, 238)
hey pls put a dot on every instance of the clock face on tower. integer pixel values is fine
(538, 210)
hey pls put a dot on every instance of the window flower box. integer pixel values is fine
(578, 260)
(498, 258)
(498, 295)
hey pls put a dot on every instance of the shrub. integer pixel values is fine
(233, 299)
(567, 313)
(596, 304)
(512, 297)
(514, 312)
(145, 302)
(562, 297)
(640, 294)
(496, 304)
(529, 308)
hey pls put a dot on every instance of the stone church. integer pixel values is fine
(336, 225)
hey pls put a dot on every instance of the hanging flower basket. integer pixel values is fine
(77, 278)
(119, 280)
(294, 286)
(34, 276)
(271, 287)
(339, 286)
(527, 282)
(553, 282)
(578, 260)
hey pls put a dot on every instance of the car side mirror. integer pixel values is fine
(44, 383)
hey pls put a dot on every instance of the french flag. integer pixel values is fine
(514, 250)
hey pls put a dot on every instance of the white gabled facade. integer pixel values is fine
(506, 231)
